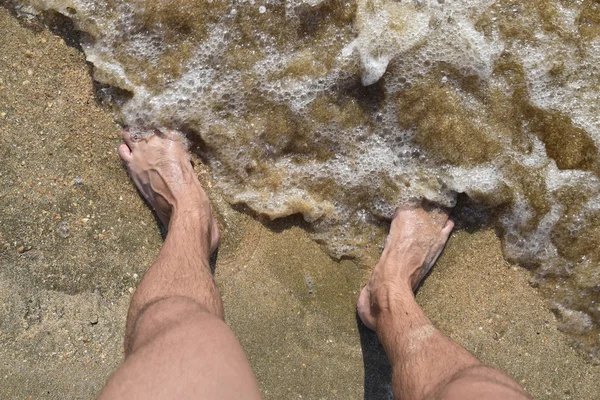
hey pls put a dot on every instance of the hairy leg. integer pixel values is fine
(177, 344)
(425, 363)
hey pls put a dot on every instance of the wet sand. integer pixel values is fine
(75, 239)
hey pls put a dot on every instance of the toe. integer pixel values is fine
(125, 152)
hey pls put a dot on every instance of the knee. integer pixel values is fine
(165, 316)
(480, 382)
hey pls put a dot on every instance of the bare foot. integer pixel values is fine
(160, 167)
(416, 240)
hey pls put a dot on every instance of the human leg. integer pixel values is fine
(425, 363)
(177, 344)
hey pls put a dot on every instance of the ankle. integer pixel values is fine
(403, 268)
(389, 300)
(395, 274)
(192, 202)
(190, 216)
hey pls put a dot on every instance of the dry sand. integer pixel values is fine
(75, 239)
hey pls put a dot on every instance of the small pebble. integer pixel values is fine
(310, 284)
(23, 249)
(63, 230)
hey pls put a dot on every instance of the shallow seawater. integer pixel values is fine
(342, 110)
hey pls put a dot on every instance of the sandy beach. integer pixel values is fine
(75, 240)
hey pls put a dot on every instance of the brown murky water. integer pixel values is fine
(341, 110)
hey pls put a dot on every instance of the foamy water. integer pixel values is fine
(342, 110)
